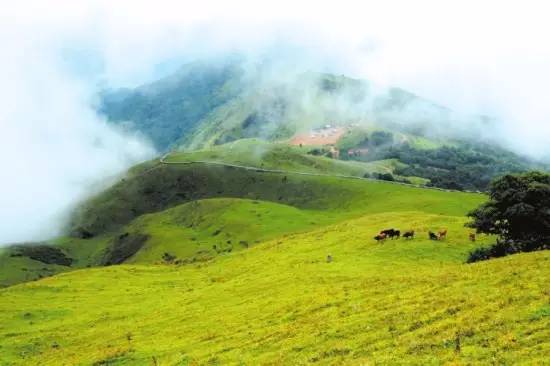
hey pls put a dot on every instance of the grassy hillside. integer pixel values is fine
(200, 230)
(223, 265)
(281, 156)
(281, 302)
(154, 187)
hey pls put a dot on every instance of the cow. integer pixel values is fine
(472, 237)
(391, 233)
(442, 234)
(432, 236)
(380, 237)
(388, 232)
(408, 234)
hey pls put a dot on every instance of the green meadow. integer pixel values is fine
(281, 302)
(225, 266)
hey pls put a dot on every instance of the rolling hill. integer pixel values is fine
(188, 261)
(109, 228)
(246, 244)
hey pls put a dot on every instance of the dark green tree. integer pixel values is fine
(518, 212)
(379, 138)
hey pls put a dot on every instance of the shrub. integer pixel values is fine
(386, 176)
(123, 247)
(43, 253)
(168, 258)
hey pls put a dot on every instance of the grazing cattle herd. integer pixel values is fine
(396, 234)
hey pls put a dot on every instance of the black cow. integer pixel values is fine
(391, 233)
(408, 234)
(433, 236)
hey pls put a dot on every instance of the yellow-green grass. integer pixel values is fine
(202, 229)
(164, 186)
(281, 302)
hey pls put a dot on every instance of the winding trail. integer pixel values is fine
(162, 160)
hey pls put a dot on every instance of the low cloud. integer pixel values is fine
(54, 149)
(490, 59)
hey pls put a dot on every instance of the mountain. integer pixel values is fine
(255, 237)
(208, 104)
(169, 108)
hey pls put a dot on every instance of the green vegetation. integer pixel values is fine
(200, 230)
(15, 268)
(281, 156)
(464, 166)
(457, 165)
(167, 109)
(273, 261)
(205, 104)
(208, 264)
(358, 137)
(518, 212)
(42, 253)
(209, 104)
(17, 265)
(280, 302)
(154, 187)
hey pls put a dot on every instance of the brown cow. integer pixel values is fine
(380, 237)
(442, 234)
(472, 237)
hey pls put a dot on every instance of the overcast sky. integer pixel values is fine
(488, 57)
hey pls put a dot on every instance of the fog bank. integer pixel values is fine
(485, 58)
(54, 149)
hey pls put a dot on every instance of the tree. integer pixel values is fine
(379, 138)
(518, 212)
(386, 176)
